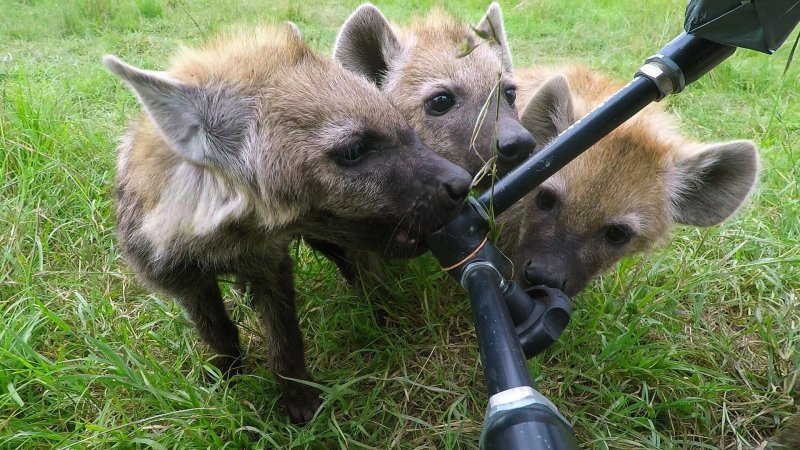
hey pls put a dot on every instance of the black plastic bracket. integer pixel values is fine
(540, 315)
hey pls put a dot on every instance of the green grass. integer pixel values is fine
(692, 347)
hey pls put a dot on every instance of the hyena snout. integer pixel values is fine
(457, 187)
(514, 143)
(431, 192)
(450, 183)
(544, 273)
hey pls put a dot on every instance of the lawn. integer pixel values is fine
(695, 346)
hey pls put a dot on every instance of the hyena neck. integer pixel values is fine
(185, 202)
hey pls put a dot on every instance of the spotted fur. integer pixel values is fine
(642, 178)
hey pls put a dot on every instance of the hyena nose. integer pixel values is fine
(457, 183)
(537, 274)
(457, 188)
(514, 144)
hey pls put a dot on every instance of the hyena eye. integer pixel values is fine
(350, 154)
(511, 95)
(546, 200)
(618, 234)
(439, 104)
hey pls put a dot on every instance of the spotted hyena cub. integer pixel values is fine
(440, 74)
(623, 194)
(246, 143)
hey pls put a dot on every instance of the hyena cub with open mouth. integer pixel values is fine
(623, 194)
(245, 144)
(440, 89)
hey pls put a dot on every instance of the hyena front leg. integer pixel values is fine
(199, 295)
(361, 269)
(273, 299)
(337, 255)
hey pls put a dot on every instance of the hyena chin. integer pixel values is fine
(423, 71)
(247, 143)
(623, 194)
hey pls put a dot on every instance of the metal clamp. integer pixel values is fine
(666, 75)
(475, 265)
(515, 398)
(519, 397)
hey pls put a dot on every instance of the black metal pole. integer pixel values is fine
(518, 416)
(682, 61)
(571, 143)
(503, 360)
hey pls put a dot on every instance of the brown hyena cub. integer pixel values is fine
(623, 194)
(246, 143)
(440, 74)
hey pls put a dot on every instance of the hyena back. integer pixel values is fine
(246, 143)
(623, 194)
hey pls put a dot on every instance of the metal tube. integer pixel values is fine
(571, 143)
(684, 59)
(518, 416)
(503, 360)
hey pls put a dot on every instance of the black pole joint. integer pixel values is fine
(540, 315)
(666, 75)
(465, 239)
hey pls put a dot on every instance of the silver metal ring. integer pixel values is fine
(660, 77)
(474, 265)
(518, 397)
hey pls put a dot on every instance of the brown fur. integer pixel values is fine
(643, 176)
(414, 63)
(788, 438)
(246, 143)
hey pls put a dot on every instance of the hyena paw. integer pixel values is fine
(300, 402)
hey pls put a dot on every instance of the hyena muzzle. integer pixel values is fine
(247, 143)
(623, 194)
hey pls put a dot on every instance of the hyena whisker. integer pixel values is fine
(394, 230)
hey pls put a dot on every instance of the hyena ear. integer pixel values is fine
(550, 110)
(366, 44)
(203, 125)
(294, 31)
(491, 27)
(712, 185)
